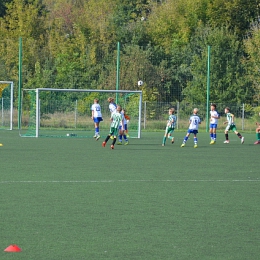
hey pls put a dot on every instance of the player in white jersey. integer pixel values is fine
(112, 105)
(193, 128)
(97, 117)
(171, 122)
(116, 119)
(121, 132)
(112, 108)
(214, 116)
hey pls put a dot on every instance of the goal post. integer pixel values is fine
(67, 112)
(6, 104)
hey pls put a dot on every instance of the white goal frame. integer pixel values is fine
(11, 102)
(38, 90)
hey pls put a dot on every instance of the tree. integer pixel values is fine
(24, 20)
(3, 7)
(236, 15)
(252, 45)
(228, 84)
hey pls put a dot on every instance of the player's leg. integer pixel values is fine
(165, 136)
(234, 129)
(109, 136)
(186, 138)
(170, 135)
(211, 134)
(215, 133)
(195, 139)
(120, 136)
(125, 135)
(95, 126)
(226, 135)
(115, 134)
(97, 130)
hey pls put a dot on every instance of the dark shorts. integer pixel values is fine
(191, 131)
(213, 126)
(97, 119)
(125, 127)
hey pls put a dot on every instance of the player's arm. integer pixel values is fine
(216, 117)
(170, 122)
(92, 114)
(122, 124)
(232, 116)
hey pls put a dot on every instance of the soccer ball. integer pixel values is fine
(140, 83)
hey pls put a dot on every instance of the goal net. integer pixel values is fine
(6, 105)
(48, 112)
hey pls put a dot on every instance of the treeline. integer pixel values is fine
(73, 44)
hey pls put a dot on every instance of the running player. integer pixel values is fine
(116, 119)
(231, 126)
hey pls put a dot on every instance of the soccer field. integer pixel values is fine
(70, 198)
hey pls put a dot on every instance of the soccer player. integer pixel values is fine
(214, 116)
(170, 126)
(231, 126)
(257, 132)
(97, 117)
(112, 108)
(114, 127)
(127, 118)
(112, 105)
(121, 132)
(193, 128)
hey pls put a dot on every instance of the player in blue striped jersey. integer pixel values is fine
(193, 128)
(170, 126)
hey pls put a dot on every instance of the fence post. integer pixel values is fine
(144, 113)
(76, 112)
(178, 109)
(243, 117)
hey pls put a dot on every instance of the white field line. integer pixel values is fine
(113, 181)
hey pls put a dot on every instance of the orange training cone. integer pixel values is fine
(13, 248)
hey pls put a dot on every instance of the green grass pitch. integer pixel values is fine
(70, 198)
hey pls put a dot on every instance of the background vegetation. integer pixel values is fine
(73, 44)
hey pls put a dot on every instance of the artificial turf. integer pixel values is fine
(70, 198)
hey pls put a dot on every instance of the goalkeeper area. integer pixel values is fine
(6, 105)
(47, 112)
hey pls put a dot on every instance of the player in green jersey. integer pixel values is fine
(116, 119)
(170, 126)
(231, 126)
(257, 131)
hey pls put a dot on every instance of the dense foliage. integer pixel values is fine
(73, 44)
